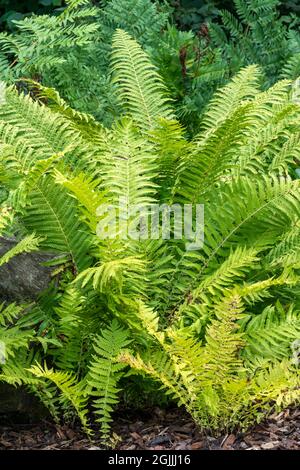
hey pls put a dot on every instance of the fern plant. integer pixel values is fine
(259, 23)
(71, 51)
(252, 32)
(213, 325)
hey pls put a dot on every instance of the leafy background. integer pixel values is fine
(16, 9)
(188, 14)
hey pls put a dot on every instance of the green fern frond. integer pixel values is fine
(86, 191)
(141, 89)
(13, 339)
(226, 101)
(72, 330)
(34, 125)
(130, 167)
(105, 373)
(280, 383)
(269, 335)
(286, 251)
(216, 147)
(112, 272)
(160, 367)
(71, 390)
(223, 340)
(73, 4)
(52, 214)
(9, 313)
(5, 218)
(27, 245)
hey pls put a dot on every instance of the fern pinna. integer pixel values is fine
(213, 326)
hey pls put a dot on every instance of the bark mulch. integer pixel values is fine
(160, 430)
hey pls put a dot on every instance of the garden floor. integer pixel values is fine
(158, 430)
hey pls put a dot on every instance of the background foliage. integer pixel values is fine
(101, 106)
(11, 10)
(69, 51)
(190, 14)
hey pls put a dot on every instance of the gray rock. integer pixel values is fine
(24, 276)
(22, 279)
(18, 402)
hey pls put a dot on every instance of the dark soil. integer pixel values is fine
(159, 430)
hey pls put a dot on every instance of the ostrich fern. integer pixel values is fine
(214, 325)
(71, 51)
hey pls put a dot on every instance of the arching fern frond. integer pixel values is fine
(52, 214)
(70, 389)
(114, 273)
(270, 334)
(141, 89)
(27, 245)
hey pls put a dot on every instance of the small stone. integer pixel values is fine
(160, 440)
(197, 445)
(243, 445)
(229, 441)
(269, 445)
